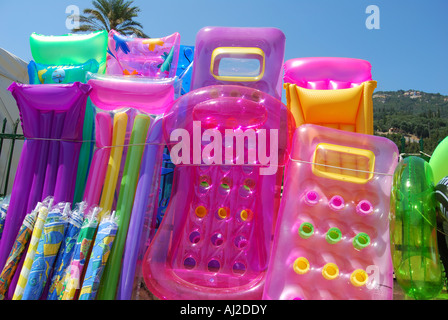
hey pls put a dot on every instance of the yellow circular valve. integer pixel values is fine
(246, 215)
(201, 211)
(301, 265)
(330, 271)
(359, 278)
(222, 213)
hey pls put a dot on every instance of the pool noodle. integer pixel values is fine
(86, 153)
(151, 164)
(116, 152)
(109, 282)
(98, 167)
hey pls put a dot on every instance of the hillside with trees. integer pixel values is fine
(414, 120)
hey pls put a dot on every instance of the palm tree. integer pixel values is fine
(112, 14)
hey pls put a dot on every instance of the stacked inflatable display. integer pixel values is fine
(267, 200)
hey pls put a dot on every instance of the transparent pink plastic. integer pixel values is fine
(215, 237)
(324, 73)
(97, 173)
(333, 227)
(148, 95)
(271, 41)
(152, 57)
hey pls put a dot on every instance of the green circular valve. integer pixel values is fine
(204, 184)
(334, 235)
(306, 230)
(361, 241)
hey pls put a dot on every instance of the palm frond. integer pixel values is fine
(112, 14)
(132, 30)
(96, 15)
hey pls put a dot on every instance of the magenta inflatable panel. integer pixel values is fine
(251, 57)
(324, 73)
(52, 118)
(148, 95)
(332, 236)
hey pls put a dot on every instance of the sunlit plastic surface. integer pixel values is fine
(215, 237)
(327, 73)
(185, 67)
(346, 109)
(332, 235)
(57, 74)
(70, 49)
(250, 57)
(152, 96)
(148, 57)
(52, 121)
(438, 161)
(414, 230)
(331, 92)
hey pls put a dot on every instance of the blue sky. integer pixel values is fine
(409, 51)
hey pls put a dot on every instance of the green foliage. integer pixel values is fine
(407, 117)
(112, 14)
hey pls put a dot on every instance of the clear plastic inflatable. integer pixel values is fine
(331, 92)
(438, 161)
(151, 57)
(57, 74)
(125, 171)
(327, 73)
(185, 67)
(215, 238)
(332, 235)
(70, 49)
(145, 94)
(251, 57)
(413, 225)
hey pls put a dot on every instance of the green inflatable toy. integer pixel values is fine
(413, 230)
(70, 49)
(60, 74)
(438, 161)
